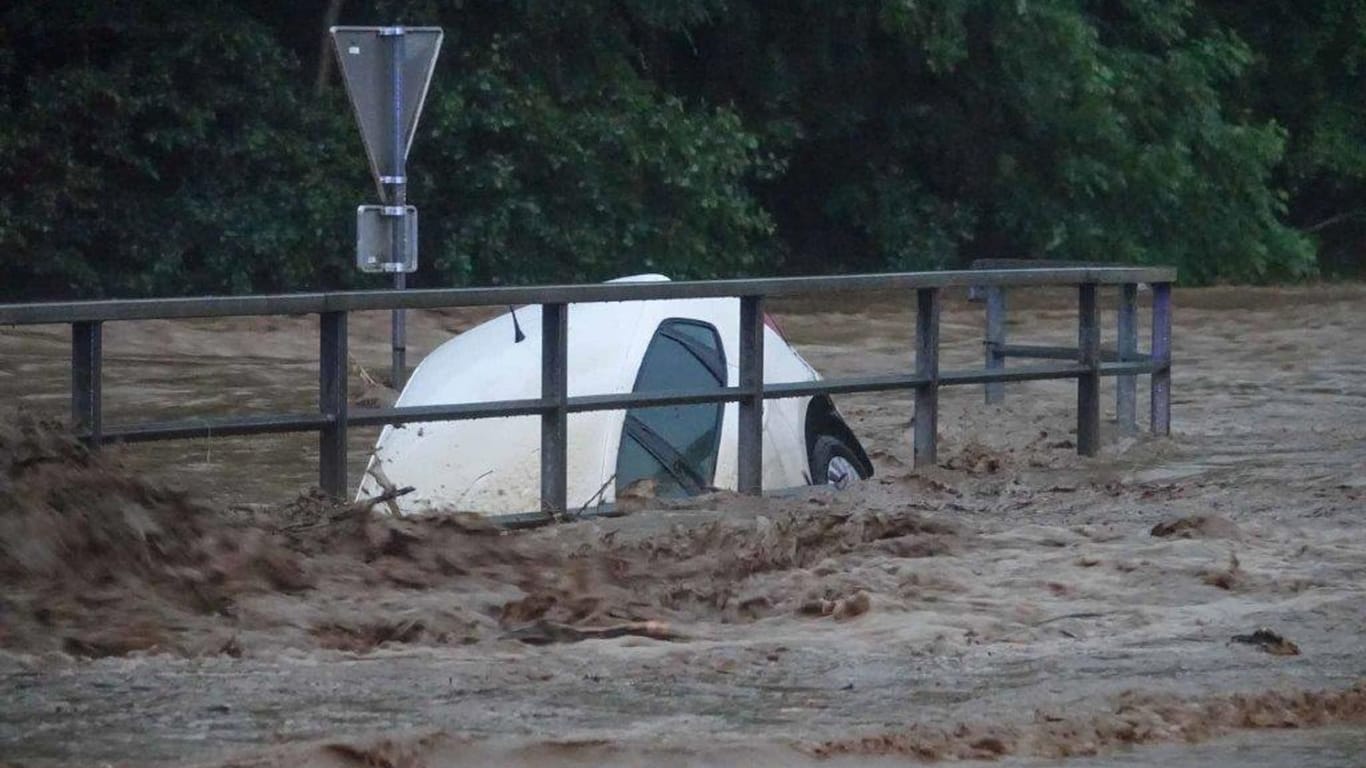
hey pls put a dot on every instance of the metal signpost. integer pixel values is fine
(387, 71)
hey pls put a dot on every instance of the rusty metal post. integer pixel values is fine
(555, 421)
(332, 402)
(750, 451)
(926, 430)
(87, 363)
(1088, 383)
(1161, 384)
(995, 338)
(1127, 349)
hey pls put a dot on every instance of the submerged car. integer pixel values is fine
(492, 466)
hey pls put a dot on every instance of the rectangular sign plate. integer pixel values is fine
(375, 225)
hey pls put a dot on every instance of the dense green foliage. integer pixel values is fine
(151, 149)
(156, 152)
(536, 180)
(930, 131)
(1309, 74)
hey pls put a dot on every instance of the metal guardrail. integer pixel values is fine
(997, 350)
(1087, 363)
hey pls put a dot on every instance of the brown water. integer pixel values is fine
(1014, 593)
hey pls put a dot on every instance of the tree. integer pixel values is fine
(162, 151)
(1308, 74)
(921, 134)
(153, 149)
(158, 150)
(547, 154)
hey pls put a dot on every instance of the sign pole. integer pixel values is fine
(398, 197)
(387, 71)
(399, 340)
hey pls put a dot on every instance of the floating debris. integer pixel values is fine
(1270, 642)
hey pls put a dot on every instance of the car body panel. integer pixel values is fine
(492, 466)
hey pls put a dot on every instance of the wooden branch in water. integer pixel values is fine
(546, 632)
(389, 494)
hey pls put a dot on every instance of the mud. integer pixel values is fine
(99, 561)
(1016, 602)
(1134, 719)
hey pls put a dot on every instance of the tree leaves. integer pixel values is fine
(155, 150)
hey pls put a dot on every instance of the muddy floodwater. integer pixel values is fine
(1197, 599)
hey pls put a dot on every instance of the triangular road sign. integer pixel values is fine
(387, 116)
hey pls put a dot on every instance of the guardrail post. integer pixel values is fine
(1127, 349)
(87, 363)
(555, 421)
(926, 428)
(398, 332)
(995, 337)
(1161, 383)
(1088, 384)
(332, 401)
(750, 451)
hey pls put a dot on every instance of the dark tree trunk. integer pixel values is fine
(325, 54)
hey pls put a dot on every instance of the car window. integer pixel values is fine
(675, 445)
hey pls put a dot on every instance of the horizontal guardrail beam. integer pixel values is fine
(418, 414)
(619, 402)
(1018, 373)
(1133, 368)
(355, 301)
(224, 426)
(881, 383)
(217, 426)
(1046, 352)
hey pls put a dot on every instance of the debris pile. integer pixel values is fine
(82, 539)
(97, 561)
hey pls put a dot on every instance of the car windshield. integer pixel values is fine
(675, 445)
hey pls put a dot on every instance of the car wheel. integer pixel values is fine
(834, 463)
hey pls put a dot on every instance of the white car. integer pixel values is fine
(492, 466)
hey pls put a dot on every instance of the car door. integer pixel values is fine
(675, 446)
